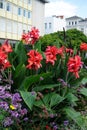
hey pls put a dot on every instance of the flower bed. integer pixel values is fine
(42, 90)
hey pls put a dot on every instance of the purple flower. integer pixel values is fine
(33, 93)
(16, 98)
(2, 90)
(51, 115)
(66, 122)
(14, 114)
(23, 111)
(4, 105)
(6, 95)
(26, 119)
(7, 122)
(62, 82)
(55, 127)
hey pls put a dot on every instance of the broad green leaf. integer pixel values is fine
(44, 101)
(39, 103)
(37, 46)
(49, 86)
(28, 81)
(76, 116)
(84, 80)
(20, 69)
(72, 98)
(20, 52)
(56, 99)
(84, 91)
(28, 98)
(47, 98)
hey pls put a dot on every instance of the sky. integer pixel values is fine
(67, 8)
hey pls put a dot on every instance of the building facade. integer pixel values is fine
(54, 24)
(18, 16)
(78, 23)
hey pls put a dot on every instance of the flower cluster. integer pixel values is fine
(34, 60)
(11, 104)
(74, 65)
(42, 91)
(5, 48)
(51, 52)
(31, 37)
(68, 50)
(83, 47)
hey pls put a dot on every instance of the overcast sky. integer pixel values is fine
(66, 7)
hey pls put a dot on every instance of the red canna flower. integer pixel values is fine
(34, 60)
(51, 52)
(25, 38)
(74, 65)
(48, 127)
(83, 47)
(31, 37)
(6, 47)
(68, 50)
(4, 63)
(34, 33)
(60, 51)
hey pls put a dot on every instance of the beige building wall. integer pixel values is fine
(17, 16)
(12, 23)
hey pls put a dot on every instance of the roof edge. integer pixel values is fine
(44, 1)
(74, 17)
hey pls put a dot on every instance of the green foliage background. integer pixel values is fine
(71, 38)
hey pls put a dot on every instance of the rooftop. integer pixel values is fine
(44, 1)
(83, 20)
(74, 17)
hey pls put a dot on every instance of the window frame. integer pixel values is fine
(1, 5)
(19, 11)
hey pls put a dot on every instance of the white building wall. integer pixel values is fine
(83, 27)
(38, 15)
(57, 24)
(49, 29)
(80, 24)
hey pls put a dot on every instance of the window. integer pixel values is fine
(82, 29)
(1, 4)
(75, 22)
(50, 25)
(8, 7)
(69, 23)
(23, 31)
(29, 14)
(29, 1)
(24, 13)
(72, 23)
(45, 25)
(19, 11)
